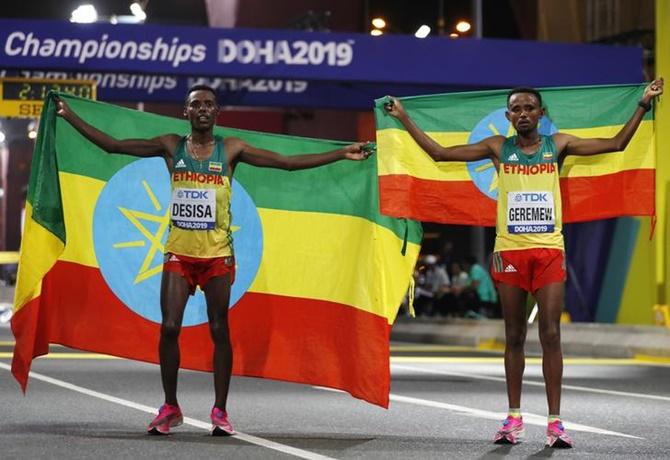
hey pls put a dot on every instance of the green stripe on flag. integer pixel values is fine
(43, 186)
(327, 189)
(567, 107)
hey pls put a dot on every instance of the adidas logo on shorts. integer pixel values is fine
(180, 163)
(510, 268)
(513, 157)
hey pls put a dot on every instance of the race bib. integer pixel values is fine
(194, 208)
(530, 212)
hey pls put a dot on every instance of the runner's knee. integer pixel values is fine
(515, 337)
(170, 330)
(550, 336)
(219, 331)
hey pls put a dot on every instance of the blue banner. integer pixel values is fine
(264, 54)
(254, 92)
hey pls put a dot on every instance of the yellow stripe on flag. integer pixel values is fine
(322, 239)
(39, 251)
(80, 194)
(638, 155)
(334, 265)
(400, 154)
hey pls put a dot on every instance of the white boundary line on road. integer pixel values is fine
(187, 420)
(533, 383)
(528, 418)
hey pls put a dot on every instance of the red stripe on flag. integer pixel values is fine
(449, 202)
(626, 193)
(284, 338)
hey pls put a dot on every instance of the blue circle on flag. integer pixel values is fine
(483, 172)
(130, 228)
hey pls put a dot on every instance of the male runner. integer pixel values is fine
(529, 257)
(199, 248)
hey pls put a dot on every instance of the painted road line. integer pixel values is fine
(67, 356)
(187, 420)
(433, 348)
(11, 343)
(653, 359)
(638, 361)
(532, 383)
(528, 418)
(500, 360)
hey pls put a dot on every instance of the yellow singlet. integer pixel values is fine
(529, 198)
(200, 207)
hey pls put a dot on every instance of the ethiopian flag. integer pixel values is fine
(412, 185)
(320, 275)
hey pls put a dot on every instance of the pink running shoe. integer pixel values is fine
(220, 424)
(557, 437)
(168, 417)
(511, 432)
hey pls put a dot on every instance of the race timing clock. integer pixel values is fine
(24, 97)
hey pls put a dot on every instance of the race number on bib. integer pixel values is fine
(530, 212)
(194, 208)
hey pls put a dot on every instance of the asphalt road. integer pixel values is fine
(446, 403)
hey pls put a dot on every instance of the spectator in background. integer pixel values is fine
(432, 284)
(459, 297)
(447, 256)
(482, 285)
(459, 278)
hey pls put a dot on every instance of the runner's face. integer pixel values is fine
(201, 110)
(524, 112)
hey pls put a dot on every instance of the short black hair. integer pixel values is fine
(200, 87)
(524, 89)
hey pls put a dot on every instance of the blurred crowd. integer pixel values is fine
(449, 287)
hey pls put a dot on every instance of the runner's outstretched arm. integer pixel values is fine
(245, 153)
(161, 146)
(568, 144)
(486, 148)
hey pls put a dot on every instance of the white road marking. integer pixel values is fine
(528, 418)
(533, 383)
(187, 420)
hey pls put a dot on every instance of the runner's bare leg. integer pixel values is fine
(174, 295)
(513, 303)
(217, 293)
(550, 299)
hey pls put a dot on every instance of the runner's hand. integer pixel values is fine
(394, 107)
(359, 151)
(62, 109)
(653, 90)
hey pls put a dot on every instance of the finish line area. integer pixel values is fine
(456, 209)
(447, 406)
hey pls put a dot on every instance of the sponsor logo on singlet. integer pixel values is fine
(193, 208)
(530, 212)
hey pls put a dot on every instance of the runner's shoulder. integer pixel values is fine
(169, 141)
(495, 143)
